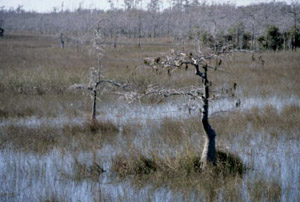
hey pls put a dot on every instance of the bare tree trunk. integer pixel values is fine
(1, 32)
(209, 151)
(62, 40)
(93, 118)
(115, 41)
(252, 38)
(140, 30)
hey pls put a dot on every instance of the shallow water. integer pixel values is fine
(139, 113)
(32, 177)
(36, 177)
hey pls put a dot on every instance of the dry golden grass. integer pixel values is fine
(102, 126)
(183, 165)
(278, 75)
(35, 73)
(36, 66)
(267, 119)
(183, 162)
(48, 105)
(44, 138)
(84, 171)
(181, 172)
(260, 189)
(39, 140)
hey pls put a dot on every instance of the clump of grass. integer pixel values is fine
(86, 136)
(174, 132)
(101, 126)
(182, 165)
(139, 165)
(172, 127)
(84, 171)
(171, 131)
(4, 113)
(53, 198)
(229, 163)
(44, 138)
(39, 140)
(48, 105)
(260, 189)
(94, 126)
(182, 172)
(12, 112)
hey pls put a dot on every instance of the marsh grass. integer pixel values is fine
(28, 111)
(257, 119)
(33, 67)
(26, 106)
(183, 165)
(83, 171)
(52, 198)
(35, 74)
(45, 69)
(89, 136)
(40, 70)
(42, 139)
(39, 140)
(182, 173)
(176, 133)
(261, 189)
(102, 126)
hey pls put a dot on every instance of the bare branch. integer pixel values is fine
(192, 91)
(114, 83)
(174, 60)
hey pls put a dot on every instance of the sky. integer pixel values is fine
(48, 5)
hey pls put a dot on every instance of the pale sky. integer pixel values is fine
(48, 5)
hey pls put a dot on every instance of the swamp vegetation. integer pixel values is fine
(147, 150)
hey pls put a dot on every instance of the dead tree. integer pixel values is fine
(62, 40)
(1, 28)
(96, 82)
(96, 78)
(200, 62)
(1, 32)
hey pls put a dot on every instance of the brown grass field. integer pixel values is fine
(146, 149)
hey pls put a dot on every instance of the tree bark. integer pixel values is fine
(209, 151)
(94, 104)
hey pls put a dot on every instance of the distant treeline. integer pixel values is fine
(272, 25)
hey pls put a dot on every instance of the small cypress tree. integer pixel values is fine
(273, 38)
(295, 38)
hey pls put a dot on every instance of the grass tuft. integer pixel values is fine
(139, 165)
(96, 126)
(84, 171)
(230, 164)
(39, 140)
(44, 138)
(180, 165)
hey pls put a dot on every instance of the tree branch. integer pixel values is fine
(112, 82)
(193, 92)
